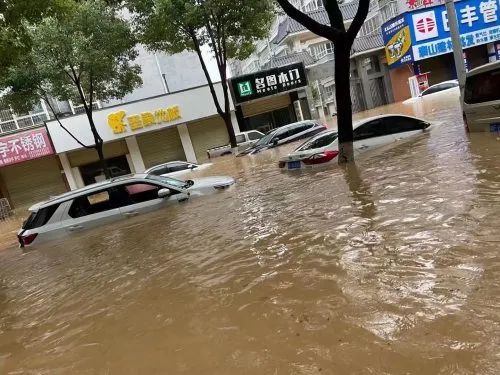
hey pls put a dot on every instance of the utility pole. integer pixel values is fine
(458, 53)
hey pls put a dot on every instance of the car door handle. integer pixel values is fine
(72, 228)
(362, 147)
(131, 214)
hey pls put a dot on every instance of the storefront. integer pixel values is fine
(269, 99)
(418, 41)
(29, 170)
(139, 135)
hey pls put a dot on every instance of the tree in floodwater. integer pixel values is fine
(83, 50)
(342, 40)
(230, 28)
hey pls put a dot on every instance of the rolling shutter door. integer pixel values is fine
(266, 105)
(206, 134)
(33, 181)
(87, 156)
(161, 146)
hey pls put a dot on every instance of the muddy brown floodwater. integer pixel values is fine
(390, 267)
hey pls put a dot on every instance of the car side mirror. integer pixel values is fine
(191, 166)
(164, 193)
(275, 141)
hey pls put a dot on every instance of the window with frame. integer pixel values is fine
(253, 136)
(370, 26)
(164, 169)
(140, 192)
(318, 142)
(176, 167)
(240, 138)
(94, 203)
(433, 89)
(368, 130)
(313, 5)
(483, 87)
(40, 218)
(401, 124)
(321, 49)
(329, 91)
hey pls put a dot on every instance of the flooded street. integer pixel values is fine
(391, 266)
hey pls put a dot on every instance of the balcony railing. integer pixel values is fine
(18, 123)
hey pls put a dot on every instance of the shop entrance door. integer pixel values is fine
(92, 173)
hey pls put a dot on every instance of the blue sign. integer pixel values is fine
(478, 20)
(397, 41)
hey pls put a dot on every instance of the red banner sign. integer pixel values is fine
(20, 147)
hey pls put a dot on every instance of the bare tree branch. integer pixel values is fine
(46, 100)
(205, 71)
(359, 20)
(215, 46)
(325, 31)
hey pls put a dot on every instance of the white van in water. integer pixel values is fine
(481, 99)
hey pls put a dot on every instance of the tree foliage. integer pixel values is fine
(84, 50)
(230, 28)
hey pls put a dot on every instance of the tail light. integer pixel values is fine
(322, 157)
(281, 164)
(27, 240)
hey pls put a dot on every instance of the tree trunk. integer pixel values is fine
(230, 129)
(227, 115)
(98, 142)
(343, 98)
(102, 161)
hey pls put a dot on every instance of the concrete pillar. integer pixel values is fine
(135, 160)
(68, 172)
(78, 177)
(363, 75)
(187, 145)
(130, 163)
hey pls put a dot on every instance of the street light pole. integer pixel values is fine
(458, 53)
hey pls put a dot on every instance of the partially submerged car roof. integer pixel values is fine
(484, 68)
(87, 189)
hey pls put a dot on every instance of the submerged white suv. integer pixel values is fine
(109, 201)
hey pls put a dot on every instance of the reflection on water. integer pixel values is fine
(389, 266)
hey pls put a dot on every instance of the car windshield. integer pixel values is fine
(168, 180)
(483, 87)
(321, 140)
(265, 139)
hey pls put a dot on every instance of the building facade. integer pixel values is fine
(31, 169)
(290, 42)
(418, 44)
(271, 98)
(140, 134)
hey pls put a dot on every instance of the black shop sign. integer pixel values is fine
(268, 82)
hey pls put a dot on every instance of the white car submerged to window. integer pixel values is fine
(368, 134)
(109, 201)
(176, 168)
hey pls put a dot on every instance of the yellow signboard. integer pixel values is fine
(120, 123)
(398, 46)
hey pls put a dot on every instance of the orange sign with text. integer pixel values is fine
(120, 123)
